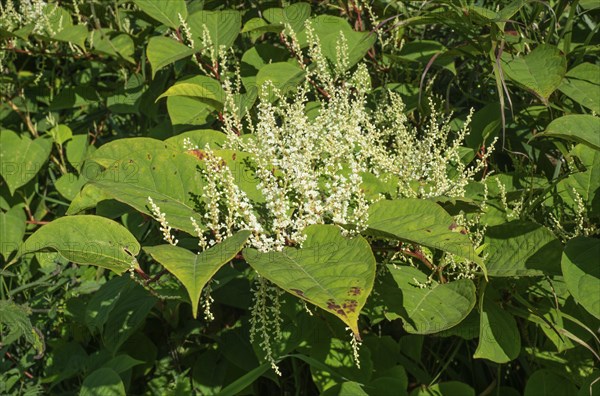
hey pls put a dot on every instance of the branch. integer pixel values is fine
(25, 117)
(156, 277)
(421, 257)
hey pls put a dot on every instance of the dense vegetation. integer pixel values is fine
(338, 198)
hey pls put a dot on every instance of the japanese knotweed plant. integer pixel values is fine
(328, 166)
(314, 187)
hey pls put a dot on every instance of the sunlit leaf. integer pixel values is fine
(163, 51)
(222, 27)
(21, 158)
(86, 239)
(541, 71)
(522, 248)
(422, 222)
(582, 84)
(294, 14)
(195, 270)
(284, 76)
(330, 271)
(580, 128)
(167, 12)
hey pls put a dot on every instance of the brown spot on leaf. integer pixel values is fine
(350, 305)
(355, 291)
(197, 153)
(299, 292)
(332, 305)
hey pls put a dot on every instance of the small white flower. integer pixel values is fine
(165, 228)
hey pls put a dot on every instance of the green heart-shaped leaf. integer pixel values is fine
(293, 14)
(283, 75)
(195, 270)
(521, 248)
(586, 182)
(329, 30)
(205, 89)
(580, 128)
(104, 381)
(425, 310)
(86, 239)
(499, 339)
(330, 271)
(582, 84)
(223, 27)
(541, 71)
(21, 158)
(420, 221)
(169, 177)
(546, 382)
(114, 44)
(166, 12)
(163, 51)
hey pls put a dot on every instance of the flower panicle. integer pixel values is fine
(165, 228)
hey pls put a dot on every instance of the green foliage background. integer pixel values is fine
(86, 84)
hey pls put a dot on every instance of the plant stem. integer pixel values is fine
(25, 117)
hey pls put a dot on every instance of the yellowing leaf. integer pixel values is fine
(330, 271)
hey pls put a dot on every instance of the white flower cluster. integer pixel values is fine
(266, 320)
(511, 211)
(28, 12)
(307, 175)
(355, 345)
(582, 224)
(456, 267)
(165, 228)
(13, 18)
(310, 165)
(228, 207)
(187, 32)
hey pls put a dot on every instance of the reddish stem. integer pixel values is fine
(25, 372)
(421, 257)
(358, 25)
(142, 274)
(156, 277)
